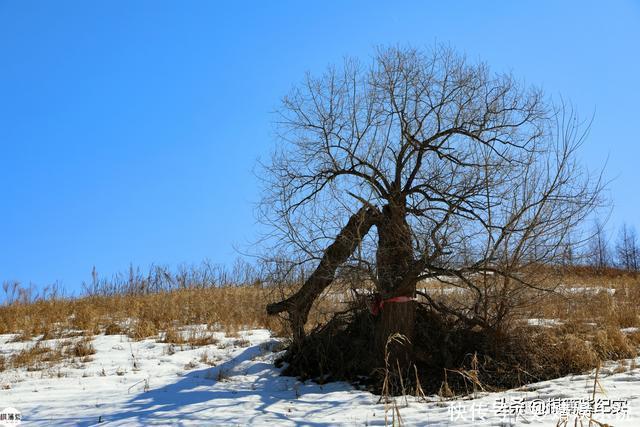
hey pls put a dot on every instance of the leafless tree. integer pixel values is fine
(423, 165)
(628, 249)
(598, 250)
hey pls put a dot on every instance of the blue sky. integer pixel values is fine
(129, 129)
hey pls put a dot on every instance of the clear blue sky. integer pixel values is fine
(129, 129)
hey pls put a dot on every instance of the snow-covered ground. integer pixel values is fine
(146, 383)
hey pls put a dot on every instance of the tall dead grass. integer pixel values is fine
(142, 304)
(585, 315)
(140, 316)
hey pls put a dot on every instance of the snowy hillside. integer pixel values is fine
(234, 382)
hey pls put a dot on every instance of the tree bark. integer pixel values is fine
(299, 304)
(394, 262)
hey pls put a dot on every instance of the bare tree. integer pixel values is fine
(598, 250)
(628, 249)
(422, 165)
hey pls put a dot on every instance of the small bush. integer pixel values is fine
(173, 336)
(113, 329)
(612, 344)
(142, 329)
(627, 315)
(573, 355)
(82, 348)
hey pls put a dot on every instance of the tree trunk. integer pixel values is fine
(396, 321)
(299, 304)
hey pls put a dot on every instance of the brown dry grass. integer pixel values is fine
(41, 355)
(588, 310)
(81, 348)
(159, 315)
(36, 357)
(588, 330)
(193, 337)
(594, 305)
(580, 327)
(140, 316)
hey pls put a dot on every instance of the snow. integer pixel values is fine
(244, 388)
(591, 290)
(548, 323)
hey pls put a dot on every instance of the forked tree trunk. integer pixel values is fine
(299, 304)
(394, 263)
(394, 259)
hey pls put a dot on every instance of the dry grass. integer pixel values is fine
(36, 357)
(162, 315)
(82, 348)
(114, 329)
(588, 321)
(192, 337)
(593, 306)
(207, 359)
(42, 355)
(580, 326)
(140, 316)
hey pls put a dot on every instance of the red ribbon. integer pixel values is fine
(378, 303)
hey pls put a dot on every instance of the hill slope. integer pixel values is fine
(234, 382)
